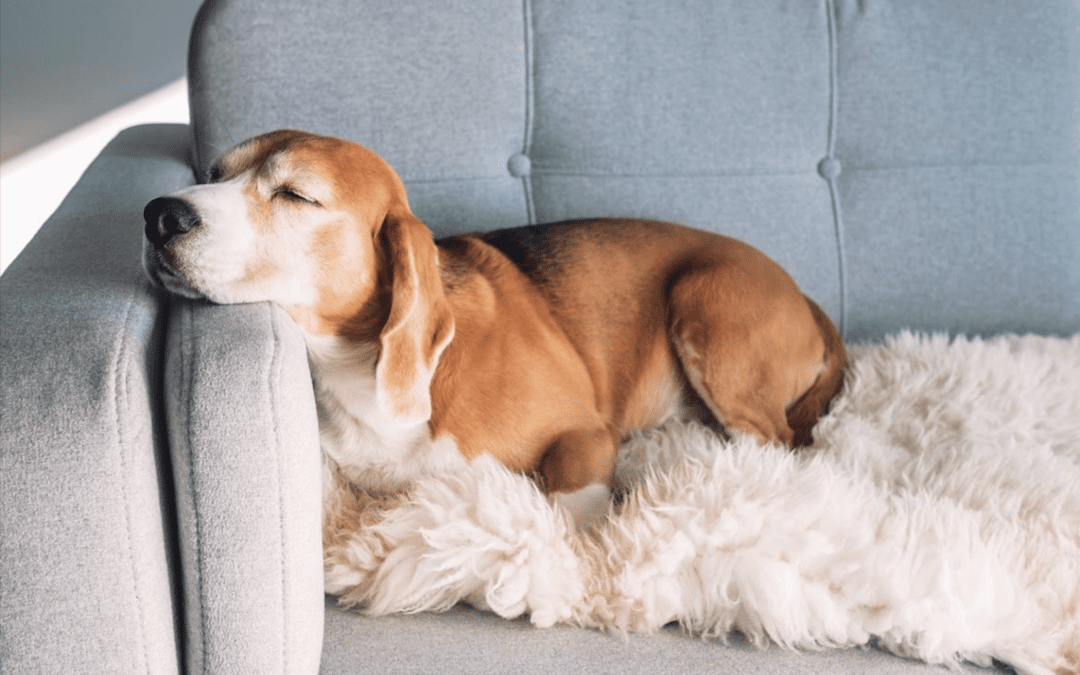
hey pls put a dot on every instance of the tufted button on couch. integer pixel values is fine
(913, 164)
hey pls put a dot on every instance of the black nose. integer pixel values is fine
(167, 217)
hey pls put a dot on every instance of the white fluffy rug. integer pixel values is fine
(937, 515)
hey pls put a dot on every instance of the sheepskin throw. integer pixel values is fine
(937, 515)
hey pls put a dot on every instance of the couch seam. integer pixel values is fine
(609, 173)
(120, 391)
(166, 468)
(530, 111)
(273, 379)
(930, 166)
(834, 193)
(188, 367)
(553, 170)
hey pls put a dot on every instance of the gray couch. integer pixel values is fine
(913, 163)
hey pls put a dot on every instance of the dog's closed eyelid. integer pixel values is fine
(290, 193)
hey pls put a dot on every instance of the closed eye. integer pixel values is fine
(287, 192)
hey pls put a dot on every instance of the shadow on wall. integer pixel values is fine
(65, 62)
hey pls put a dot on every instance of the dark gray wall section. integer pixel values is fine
(63, 62)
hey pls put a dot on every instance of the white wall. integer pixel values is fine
(33, 183)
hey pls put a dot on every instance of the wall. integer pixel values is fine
(63, 62)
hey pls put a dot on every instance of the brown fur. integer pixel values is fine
(555, 356)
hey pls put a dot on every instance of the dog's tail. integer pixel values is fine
(804, 413)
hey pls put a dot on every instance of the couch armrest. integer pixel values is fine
(244, 438)
(85, 498)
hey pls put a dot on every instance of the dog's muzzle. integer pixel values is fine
(167, 217)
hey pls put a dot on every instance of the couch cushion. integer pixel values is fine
(437, 88)
(912, 164)
(685, 113)
(957, 126)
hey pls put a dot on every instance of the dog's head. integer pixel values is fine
(322, 227)
(282, 218)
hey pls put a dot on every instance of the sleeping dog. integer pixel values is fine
(544, 346)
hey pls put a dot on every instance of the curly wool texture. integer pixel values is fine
(937, 515)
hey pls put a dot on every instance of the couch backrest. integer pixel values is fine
(913, 163)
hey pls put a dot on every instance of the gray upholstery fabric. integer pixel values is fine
(465, 641)
(959, 130)
(448, 76)
(86, 580)
(947, 200)
(244, 442)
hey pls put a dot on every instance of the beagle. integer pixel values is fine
(544, 346)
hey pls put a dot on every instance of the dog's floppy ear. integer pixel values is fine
(420, 325)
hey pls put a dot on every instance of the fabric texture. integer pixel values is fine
(465, 641)
(244, 445)
(86, 526)
(950, 197)
(436, 88)
(957, 126)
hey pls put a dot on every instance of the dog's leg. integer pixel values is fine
(749, 353)
(577, 470)
(804, 413)
(737, 408)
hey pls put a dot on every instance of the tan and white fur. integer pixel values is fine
(544, 347)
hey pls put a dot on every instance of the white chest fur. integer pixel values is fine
(370, 450)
